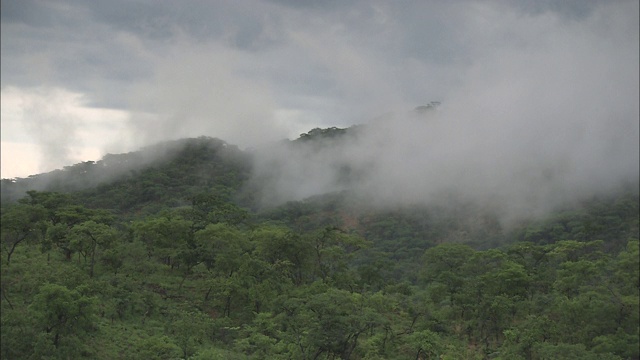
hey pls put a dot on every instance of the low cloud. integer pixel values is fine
(539, 101)
(200, 90)
(542, 122)
(48, 128)
(47, 118)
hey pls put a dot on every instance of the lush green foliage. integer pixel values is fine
(162, 264)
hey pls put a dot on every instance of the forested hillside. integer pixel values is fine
(167, 253)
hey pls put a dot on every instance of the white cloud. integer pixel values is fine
(530, 92)
(535, 123)
(44, 129)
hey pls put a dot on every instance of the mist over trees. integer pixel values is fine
(521, 168)
(486, 206)
(195, 250)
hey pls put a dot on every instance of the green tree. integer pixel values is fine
(319, 320)
(224, 249)
(443, 267)
(20, 223)
(333, 250)
(424, 344)
(88, 237)
(278, 245)
(164, 236)
(208, 208)
(63, 315)
(563, 351)
(157, 348)
(188, 329)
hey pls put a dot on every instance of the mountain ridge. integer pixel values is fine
(177, 250)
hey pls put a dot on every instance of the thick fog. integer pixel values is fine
(539, 99)
(520, 165)
(527, 131)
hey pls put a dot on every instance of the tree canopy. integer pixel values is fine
(168, 261)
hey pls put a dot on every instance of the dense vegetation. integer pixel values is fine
(166, 258)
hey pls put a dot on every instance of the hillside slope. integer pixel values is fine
(141, 256)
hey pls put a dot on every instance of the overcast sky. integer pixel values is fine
(83, 78)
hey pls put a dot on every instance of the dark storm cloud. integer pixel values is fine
(571, 9)
(101, 47)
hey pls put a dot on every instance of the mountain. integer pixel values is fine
(177, 251)
(170, 175)
(165, 174)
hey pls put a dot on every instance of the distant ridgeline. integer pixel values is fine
(171, 165)
(337, 133)
(192, 152)
(204, 161)
(161, 254)
(323, 134)
(425, 108)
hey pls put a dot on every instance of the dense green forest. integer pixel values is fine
(163, 254)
